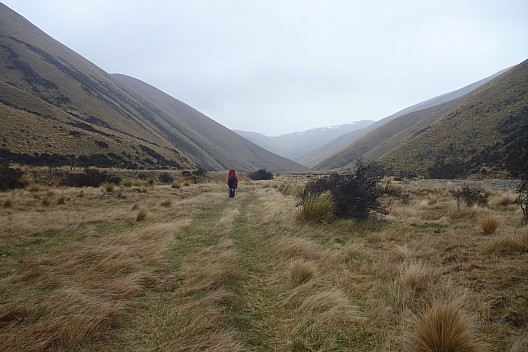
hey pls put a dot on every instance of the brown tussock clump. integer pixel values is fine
(301, 271)
(141, 215)
(298, 247)
(88, 286)
(508, 244)
(8, 203)
(167, 203)
(417, 276)
(489, 224)
(326, 311)
(444, 326)
(61, 200)
(389, 266)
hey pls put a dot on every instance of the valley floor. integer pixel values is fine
(158, 268)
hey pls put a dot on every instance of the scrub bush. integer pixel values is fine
(356, 195)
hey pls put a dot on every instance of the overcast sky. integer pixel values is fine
(277, 66)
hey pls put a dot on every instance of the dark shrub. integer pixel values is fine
(355, 195)
(90, 178)
(10, 178)
(195, 175)
(165, 177)
(470, 195)
(261, 174)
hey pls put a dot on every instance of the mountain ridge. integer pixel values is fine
(295, 145)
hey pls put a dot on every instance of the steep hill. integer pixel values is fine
(57, 107)
(479, 131)
(349, 147)
(485, 130)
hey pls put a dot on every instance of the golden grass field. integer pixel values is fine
(161, 268)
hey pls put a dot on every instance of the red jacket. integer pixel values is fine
(232, 179)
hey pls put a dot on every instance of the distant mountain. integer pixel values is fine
(296, 145)
(57, 107)
(379, 132)
(485, 130)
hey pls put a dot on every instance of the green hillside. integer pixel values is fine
(379, 141)
(484, 131)
(481, 132)
(57, 107)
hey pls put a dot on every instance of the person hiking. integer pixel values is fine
(232, 183)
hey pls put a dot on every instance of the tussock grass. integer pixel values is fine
(210, 274)
(301, 271)
(8, 203)
(489, 224)
(292, 189)
(444, 326)
(141, 215)
(326, 311)
(225, 223)
(88, 287)
(508, 244)
(298, 247)
(507, 199)
(205, 299)
(418, 276)
(61, 200)
(167, 203)
(317, 208)
(45, 201)
(108, 187)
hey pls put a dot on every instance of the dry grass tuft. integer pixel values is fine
(167, 203)
(489, 224)
(417, 276)
(326, 311)
(141, 215)
(292, 189)
(301, 271)
(45, 201)
(8, 203)
(221, 269)
(508, 244)
(298, 247)
(389, 265)
(317, 208)
(444, 326)
(61, 199)
(88, 286)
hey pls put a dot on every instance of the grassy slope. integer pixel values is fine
(36, 126)
(390, 135)
(469, 128)
(205, 272)
(415, 141)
